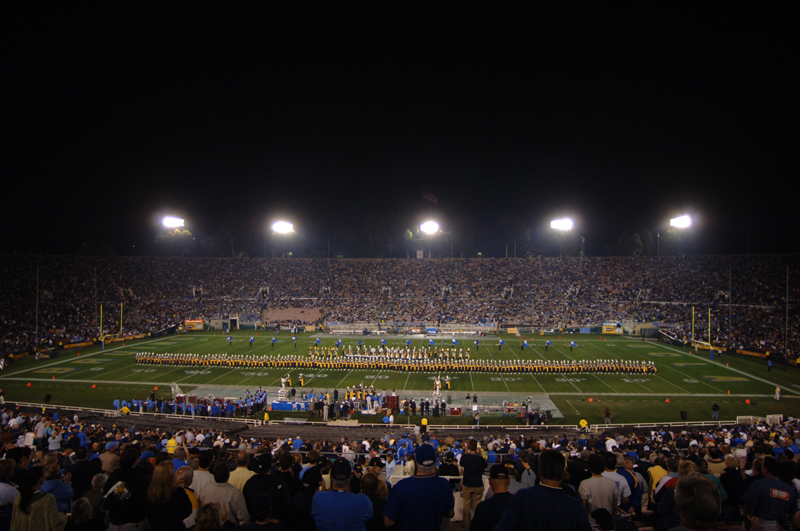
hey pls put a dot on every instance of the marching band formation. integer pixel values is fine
(399, 359)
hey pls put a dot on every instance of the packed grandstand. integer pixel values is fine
(746, 294)
(86, 474)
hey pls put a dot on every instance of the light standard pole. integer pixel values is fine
(172, 222)
(563, 225)
(430, 228)
(283, 228)
(681, 222)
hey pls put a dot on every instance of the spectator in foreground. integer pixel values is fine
(472, 485)
(35, 510)
(261, 511)
(229, 498)
(419, 502)
(770, 500)
(82, 518)
(339, 509)
(126, 494)
(545, 506)
(264, 481)
(211, 518)
(489, 512)
(58, 486)
(167, 503)
(698, 502)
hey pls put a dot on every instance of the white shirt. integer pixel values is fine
(200, 480)
(623, 488)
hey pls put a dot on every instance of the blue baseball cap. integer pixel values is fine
(425, 455)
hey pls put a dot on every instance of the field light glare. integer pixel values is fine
(681, 222)
(282, 227)
(429, 227)
(172, 222)
(561, 224)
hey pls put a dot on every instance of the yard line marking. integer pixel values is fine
(567, 376)
(573, 385)
(676, 385)
(684, 375)
(471, 381)
(345, 378)
(224, 372)
(749, 375)
(537, 382)
(72, 359)
(604, 383)
(405, 385)
(501, 374)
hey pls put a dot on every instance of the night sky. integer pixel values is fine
(338, 116)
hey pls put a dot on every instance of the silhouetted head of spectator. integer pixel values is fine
(129, 457)
(552, 465)
(221, 472)
(205, 459)
(698, 502)
(597, 464)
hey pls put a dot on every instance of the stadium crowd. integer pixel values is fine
(61, 473)
(747, 294)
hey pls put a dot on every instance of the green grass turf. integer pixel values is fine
(691, 381)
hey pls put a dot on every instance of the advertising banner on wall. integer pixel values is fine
(612, 328)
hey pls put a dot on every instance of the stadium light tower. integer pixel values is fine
(172, 222)
(429, 227)
(681, 222)
(283, 229)
(564, 225)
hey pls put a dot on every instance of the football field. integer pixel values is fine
(690, 381)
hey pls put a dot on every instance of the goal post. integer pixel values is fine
(102, 336)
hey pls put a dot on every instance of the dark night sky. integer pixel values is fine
(619, 115)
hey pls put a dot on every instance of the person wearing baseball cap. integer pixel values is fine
(264, 481)
(420, 501)
(338, 508)
(302, 501)
(488, 512)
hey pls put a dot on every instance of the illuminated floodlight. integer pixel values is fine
(562, 224)
(282, 227)
(429, 227)
(681, 222)
(172, 222)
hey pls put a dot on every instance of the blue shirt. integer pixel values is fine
(418, 503)
(770, 497)
(340, 510)
(543, 508)
(62, 492)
